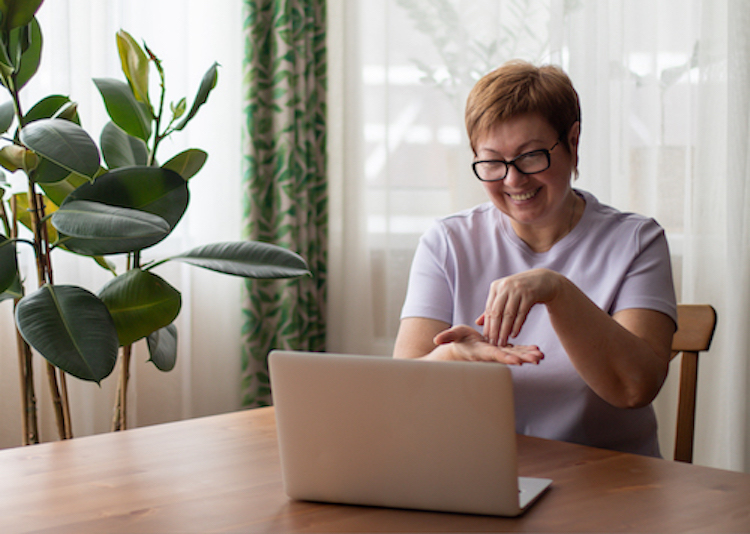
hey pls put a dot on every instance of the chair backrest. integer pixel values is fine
(695, 329)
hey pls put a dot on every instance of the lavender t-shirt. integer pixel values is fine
(620, 260)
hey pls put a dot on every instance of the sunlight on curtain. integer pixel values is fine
(79, 44)
(664, 91)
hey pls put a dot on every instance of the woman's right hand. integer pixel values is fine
(464, 343)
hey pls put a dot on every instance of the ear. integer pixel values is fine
(574, 135)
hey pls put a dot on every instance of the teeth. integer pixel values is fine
(523, 196)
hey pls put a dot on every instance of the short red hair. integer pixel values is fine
(517, 88)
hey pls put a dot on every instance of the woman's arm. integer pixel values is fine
(416, 336)
(431, 339)
(624, 358)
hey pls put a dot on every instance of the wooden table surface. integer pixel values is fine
(221, 474)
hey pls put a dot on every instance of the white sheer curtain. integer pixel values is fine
(188, 37)
(666, 102)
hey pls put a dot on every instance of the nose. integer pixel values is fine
(514, 177)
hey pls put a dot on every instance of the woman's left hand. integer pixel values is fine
(511, 298)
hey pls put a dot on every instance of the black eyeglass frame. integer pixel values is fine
(512, 162)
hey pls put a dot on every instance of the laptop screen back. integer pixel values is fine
(397, 433)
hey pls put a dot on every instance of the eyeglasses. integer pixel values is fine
(494, 170)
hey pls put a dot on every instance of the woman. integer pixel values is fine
(547, 275)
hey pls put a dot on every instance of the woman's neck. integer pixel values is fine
(541, 238)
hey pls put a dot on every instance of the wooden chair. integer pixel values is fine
(695, 329)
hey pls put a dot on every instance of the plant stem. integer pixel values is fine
(162, 84)
(65, 405)
(22, 368)
(43, 265)
(47, 266)
(60, 395)
(28, 398)
(56, 401)
(25, 357)
(120, 416)
(6, 222)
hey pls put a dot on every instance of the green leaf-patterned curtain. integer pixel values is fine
(285, 181)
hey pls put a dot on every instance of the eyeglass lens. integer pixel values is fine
(530, 163)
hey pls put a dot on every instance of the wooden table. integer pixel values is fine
(221, 474)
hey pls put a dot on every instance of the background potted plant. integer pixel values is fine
(122, 205)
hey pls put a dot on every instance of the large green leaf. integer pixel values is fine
(162, 346)
(249, 259)
(17, 13)
(120, 149)
(97, 229)
(15, 291)
(135, 65)
(207, 84)
(140, 303)
(187, 163)
(64, 143)
(48, 107)
(123, 108)
(7, 114)
(8, 263)
(151, 189)
(32, 52)
(47, 172)
(71, 328)
(58, 191)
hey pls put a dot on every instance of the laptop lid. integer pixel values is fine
(377, 431)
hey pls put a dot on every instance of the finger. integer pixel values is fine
(500, 316)
(527, 353)
(496, 301)
(491, 353)
(520, 318)
(509, 317)
(446, 336)
(455, 333)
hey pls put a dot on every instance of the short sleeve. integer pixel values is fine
(430, 291)
(648, 282)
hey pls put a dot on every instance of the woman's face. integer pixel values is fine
(532, 201)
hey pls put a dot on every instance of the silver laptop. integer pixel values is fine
(376, 431)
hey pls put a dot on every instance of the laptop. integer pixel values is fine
(376, 431)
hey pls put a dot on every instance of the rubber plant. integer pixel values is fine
(77, 203)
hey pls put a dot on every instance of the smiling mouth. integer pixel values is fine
(524, 196)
